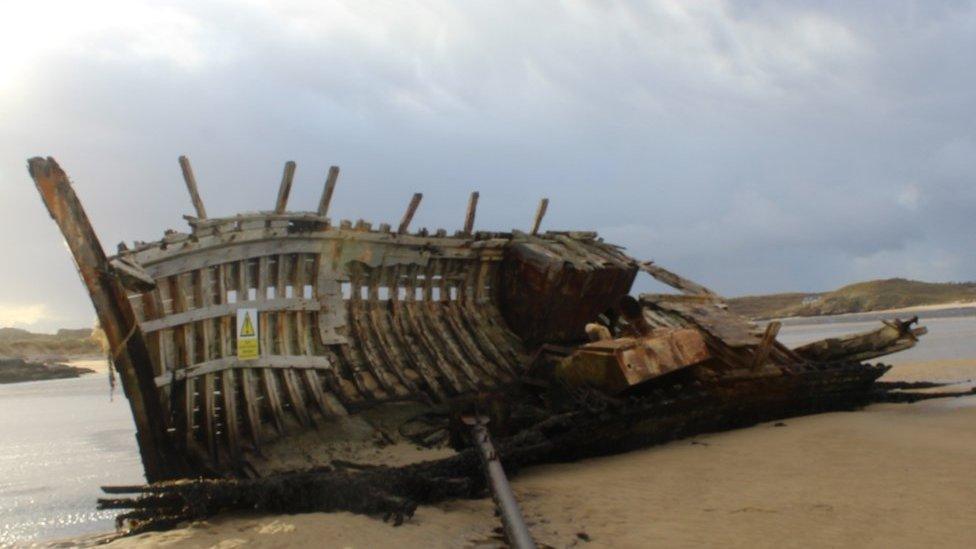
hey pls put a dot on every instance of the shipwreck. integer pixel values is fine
(265, 354)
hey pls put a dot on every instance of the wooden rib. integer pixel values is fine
(411, 333)
(448, 313)
(408, 215)
(362, 336)
(472, 210)
(203, 296)
(284, 333)
(152, 310)
(269, 381)
(191, 185)
(425, 334)
(431, 313)
(539, 214)
(228, 378)
(766, 344)
(284, 189)
(232, 430)
(403, 332)
(248, 382)
(330, 184)
(470, 314)
(481, 311)
(389, 337)
(189, 398)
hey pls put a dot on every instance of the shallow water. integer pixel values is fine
(61, 440)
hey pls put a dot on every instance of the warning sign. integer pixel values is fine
(247, 334)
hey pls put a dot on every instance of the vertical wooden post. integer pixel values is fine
(539, 214)
(285, 188)
(191, 185)
(128, 346)
(408, 215)
(472, 209)
(766, 344)
(330, 183)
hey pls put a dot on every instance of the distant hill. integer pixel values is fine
(874, 295)
(15, 342)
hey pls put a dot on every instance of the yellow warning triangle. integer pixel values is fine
(247, 328)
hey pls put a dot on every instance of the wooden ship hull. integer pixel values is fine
(361, 329)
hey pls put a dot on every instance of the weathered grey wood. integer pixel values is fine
(766, 344)
(132, 276)
(675, 281)
(408, 215)
(472, 210)
(539, 214)
(284, 190)
(330, 183)
(127, 343)
(225, 309)
(191, 185)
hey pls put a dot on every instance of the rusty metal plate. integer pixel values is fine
(618, 364)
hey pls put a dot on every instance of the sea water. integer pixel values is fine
(60, 441)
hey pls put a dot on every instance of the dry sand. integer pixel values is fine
(893, 475)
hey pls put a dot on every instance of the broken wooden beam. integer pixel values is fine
(766, 344)
(675, 281)
(472, 209)
(284, 189)
(408, 215)
(191, 185)
(539, 214)
(127, 345)
(330, 183)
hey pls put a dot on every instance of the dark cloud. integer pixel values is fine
(754, 146)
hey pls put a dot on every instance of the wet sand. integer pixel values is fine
(892, 475)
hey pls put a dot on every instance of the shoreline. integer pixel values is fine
(935, 308)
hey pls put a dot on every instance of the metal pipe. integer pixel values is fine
(513, 523)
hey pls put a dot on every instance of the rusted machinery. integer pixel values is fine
(273, 342)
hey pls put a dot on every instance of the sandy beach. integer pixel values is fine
(892, 475)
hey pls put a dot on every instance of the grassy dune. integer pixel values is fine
(874, 295)
(15, 342)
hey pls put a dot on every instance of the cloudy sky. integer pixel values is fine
(753, 146)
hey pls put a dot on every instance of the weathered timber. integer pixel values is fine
(472, 210)
(191, 185)
(892, 337)
(675, 281)
(766, 344)
(116, 318)
(539, 214)
(330, 183)
(284, 189)
(408, 215)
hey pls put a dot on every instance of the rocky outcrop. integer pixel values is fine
(14, 370)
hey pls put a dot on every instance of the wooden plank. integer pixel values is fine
(129, 350)
(232, 430)
(539, 214)
(229, 310)
(330, 183)
(191, 185)
(675, 281)
(284, 189)
(408, 215)
(472, 210)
